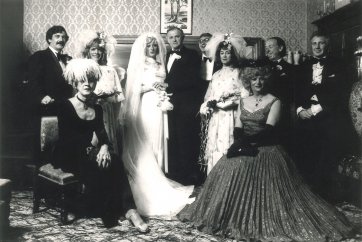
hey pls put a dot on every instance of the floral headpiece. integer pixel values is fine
(227, 41)
(102, 36)
(230, 40)
(87, 36)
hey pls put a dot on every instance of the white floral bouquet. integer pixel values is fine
(209, 106)
(164, 101)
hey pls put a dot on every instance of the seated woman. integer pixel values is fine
(255, 192)
(106, 188)
(100, 47)
(222, 97)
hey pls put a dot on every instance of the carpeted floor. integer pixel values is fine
(44, 226)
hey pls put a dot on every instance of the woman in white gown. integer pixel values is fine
(143, 120)
(222, 96)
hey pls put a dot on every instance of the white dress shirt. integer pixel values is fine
(207, 68)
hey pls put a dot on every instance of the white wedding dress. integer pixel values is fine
(154, 194)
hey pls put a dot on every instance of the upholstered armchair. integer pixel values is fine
(51, 182)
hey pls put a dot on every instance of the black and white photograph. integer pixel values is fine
(181, 120)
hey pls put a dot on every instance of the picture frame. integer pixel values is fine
(177, 13)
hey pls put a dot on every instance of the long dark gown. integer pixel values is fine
(262, 197)
(107, 192)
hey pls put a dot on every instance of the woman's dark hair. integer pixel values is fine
(250, 72)
(54, 30)
(103, 59)
(225, 46)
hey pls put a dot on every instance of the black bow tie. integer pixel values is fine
(204, 59)
(321, 61)
(175, 52)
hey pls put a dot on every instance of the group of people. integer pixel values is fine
(138, 150)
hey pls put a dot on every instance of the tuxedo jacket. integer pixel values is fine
(333, 91)
(282, 81)
(183, 78)
(45, 76)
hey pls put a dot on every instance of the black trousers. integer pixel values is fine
(107, 190)
(184, 144)
(321, 144)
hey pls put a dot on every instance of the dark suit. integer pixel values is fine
(45, 76)
(326, 137)
(184, 122)
(282, 86)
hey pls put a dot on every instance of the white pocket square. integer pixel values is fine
(330, 76)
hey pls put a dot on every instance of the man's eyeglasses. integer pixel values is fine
(204, 41)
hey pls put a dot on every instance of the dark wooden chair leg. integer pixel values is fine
(63, 210)
(36, 195)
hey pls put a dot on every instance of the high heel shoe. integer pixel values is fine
(133, 216)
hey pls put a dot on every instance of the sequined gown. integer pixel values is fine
(262, 197)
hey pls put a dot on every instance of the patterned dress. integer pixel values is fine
(221, 124)
(262, 197)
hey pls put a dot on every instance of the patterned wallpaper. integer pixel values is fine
(313, 7)
(251, 18)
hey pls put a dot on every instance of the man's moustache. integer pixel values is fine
(61, 42)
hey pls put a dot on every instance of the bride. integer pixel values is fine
(143, 119)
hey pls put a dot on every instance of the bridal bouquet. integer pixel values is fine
(208, 107)
(164, 101)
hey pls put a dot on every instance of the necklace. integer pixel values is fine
(258, 100)
(85, 105)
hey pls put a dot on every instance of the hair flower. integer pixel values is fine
(102, 37)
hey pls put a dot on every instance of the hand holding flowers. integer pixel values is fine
(224, 102)
(159, 86)
(164, 100)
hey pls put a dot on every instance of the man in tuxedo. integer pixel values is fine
(282, 86)
(47, 84)
(45, 72)
(207, 63)
(183, 71)
(323, 128)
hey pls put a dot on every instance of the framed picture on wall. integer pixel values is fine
(177, 13)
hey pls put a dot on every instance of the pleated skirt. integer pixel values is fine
(263, 198)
